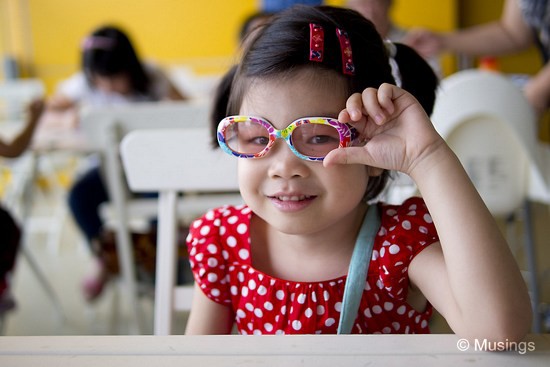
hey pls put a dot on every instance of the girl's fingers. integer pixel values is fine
(354, 108)
(386, 95)
(372, 107)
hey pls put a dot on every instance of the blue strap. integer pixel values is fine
(358, 268)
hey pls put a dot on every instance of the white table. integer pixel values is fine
(289, 351)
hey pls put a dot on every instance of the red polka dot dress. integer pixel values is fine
(219, 251)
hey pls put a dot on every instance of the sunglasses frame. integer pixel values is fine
(347, 134)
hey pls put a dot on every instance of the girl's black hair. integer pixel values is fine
(112, 56)
(282, 46)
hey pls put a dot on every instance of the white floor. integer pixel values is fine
(65, 265)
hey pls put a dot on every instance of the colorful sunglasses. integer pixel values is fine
(310, 138)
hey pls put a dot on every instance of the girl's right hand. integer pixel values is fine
(398, 132)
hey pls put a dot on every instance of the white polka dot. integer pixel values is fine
(367, 313)
(252, 284)
(240, 276)
(423, 229)
(424, 323)
(209, 215)
(280, 295)
(212, 248)
(427, 218)
(320, 310)
(249, 306)
(222, 230)
(279, 332)
(212, 277)
(406, 225)
(268, 306)
(394, 249)
(233, 219)
(388, 306)
(242, 228)
(212, 262)
(244, 291)
(283, 310)
(231, 241)
(205, 230)
(262, 290)
(401, 310)
(375, 254)
(338, 306)
(234, 290)
(215, 292)
(386, 330)
(301, 298)
(330, 321)
(377, 309)
(241, 314)
(382, 251)
(309, 312)
(257, 332)
(258, 312)
(417, 319)
(296, 325)
(326, 295)
(395, 325)
(243, 254)
(268, 327)
(391, 212)
(313, 297)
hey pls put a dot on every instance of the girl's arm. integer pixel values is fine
(471, 277)
(537, 90)
(508, 34)
(21, 141)
(207, 316)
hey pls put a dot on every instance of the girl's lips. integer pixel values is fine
(291, 203)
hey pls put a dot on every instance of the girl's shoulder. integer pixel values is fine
(406, 228)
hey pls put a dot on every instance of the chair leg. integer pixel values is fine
(530, 252)
(43, 281)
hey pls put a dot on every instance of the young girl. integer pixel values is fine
(112, 74)
(278, 264)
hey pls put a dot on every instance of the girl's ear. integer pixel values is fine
(374, 171)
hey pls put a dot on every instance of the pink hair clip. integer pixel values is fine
(348, 67)
(97, 42)
(316, 42)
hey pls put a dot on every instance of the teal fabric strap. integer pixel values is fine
(358, 269)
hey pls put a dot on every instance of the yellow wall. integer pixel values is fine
(44, 35)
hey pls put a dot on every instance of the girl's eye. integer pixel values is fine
(259, 140)
(323, 139)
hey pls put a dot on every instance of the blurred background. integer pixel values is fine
(194, 42)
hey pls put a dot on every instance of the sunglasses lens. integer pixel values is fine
(315, 140)
(246, 137)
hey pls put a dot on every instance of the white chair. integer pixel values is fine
(488, 123)
(15, 94)
(174, 161)
(17, 196)
(103, 129)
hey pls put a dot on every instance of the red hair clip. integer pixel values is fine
(348, 67)
(316, 42)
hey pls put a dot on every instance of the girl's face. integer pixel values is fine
(293, 195)
(118, 83)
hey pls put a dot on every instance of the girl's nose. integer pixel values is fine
(283, 163)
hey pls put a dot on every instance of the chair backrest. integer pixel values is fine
(488, 123)
(16, 94)
(172, 161)
(103, 129)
